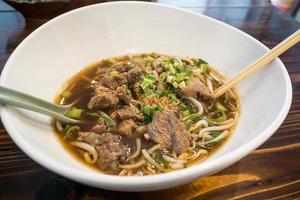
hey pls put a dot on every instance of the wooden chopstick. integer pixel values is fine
(262, 61)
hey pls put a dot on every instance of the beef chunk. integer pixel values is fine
(123, 96)
(100, 127)
(91, 138)
(111, 150)
(104, 98)
(127, 112)
(127, 127)
(134, 75)
(195, 88)
(112, 82)
(169, 132)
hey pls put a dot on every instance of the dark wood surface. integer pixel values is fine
(270, 172)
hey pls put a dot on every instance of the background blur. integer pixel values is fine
(51, 8)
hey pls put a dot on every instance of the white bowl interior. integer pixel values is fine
(51, 55)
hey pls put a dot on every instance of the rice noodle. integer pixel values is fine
(198, 153)
(150, 170)
(150, 159)
(197, 125)
(216, 128)
(176, 165)
(209, 85)
(193, 152)
(197, 103)
(217, 139)
(173, 160)
(89, 148)
(154, 148)
(207, 137)
(133, 166)
(138, 149)
(129, 172)
(123, 172)
(224, 122)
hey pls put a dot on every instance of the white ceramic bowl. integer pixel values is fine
(54, 52)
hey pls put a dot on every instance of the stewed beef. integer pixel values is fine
(195, 88)
(134, 75)
(127, 127)
(169, 132)
(104, 98)
(127, 112)
(100, 127)
(113, 81)
(111, 150)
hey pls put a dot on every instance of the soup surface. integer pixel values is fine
(146, 114)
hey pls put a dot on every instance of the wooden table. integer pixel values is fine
(270, 172)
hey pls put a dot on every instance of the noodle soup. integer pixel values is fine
(146, 114)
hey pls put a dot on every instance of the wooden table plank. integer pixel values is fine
(271, 172)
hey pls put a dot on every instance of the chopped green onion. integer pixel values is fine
(161, 161)
(220, 107)
(159, 107)
(183, 105)
(203, 68)
(71, 132)
(215, 134)
(148, 110)
(74, 113)
(200, 61)
(220, 116)
(109, 122)
(113, 72)
(148, 82)
(92, 115)
(191, 117)
(186, 113)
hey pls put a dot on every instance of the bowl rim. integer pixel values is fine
(113, 182)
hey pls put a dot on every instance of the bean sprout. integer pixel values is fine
(198, 153)
(138, 149)
(154, 148)
(123, 172)
(223, 122)
(133, 166)
(197, 103)
(174, 160)
(150, 159)
(217, 139)
(198, 125)
(216, 128)
(176, 165)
